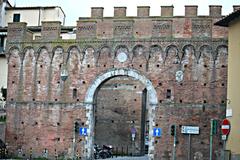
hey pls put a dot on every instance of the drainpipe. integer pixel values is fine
(64, 19)
(39, 16)
(64, 15)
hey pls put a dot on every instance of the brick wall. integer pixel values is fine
(42, 108)
(185, 115)
(40, 127)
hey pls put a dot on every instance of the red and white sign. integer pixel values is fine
(225, 127)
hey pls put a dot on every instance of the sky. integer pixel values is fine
(82, 8)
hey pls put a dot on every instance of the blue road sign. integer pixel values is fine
(83, 131)
(157, 132)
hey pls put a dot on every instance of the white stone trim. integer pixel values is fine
(89, 101)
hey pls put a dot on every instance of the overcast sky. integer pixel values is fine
(82, 8)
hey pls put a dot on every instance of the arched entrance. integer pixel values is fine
(90, 97)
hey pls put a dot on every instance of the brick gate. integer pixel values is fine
(89, 101)
(42, 107)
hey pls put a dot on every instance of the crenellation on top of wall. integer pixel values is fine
(236, 7)
(86, 29)
(215, 10)
(51, 30)
(167, 11)
(191, 10)
(143, 11)
(18, 31)
(191, 25)
(120, 12)
(97, 12)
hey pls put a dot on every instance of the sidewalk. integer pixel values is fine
(128, 158)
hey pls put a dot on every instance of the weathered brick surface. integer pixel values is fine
(97, 12)
(18, 32)
(42, 75)
(86, 30)
(184, 115)
(167, 11)
(50, 30)
(143, 11)
(28, 74)
(42, 108)
(115, 114)
(191, 11)
(39, 126)
(215, 10)
(120, 12)
(14, 62)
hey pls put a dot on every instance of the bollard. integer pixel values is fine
(112, 152)
(1, 153)
(5, 154)
(45, 153)
(30, 153)
(122, 151)
(77, 155)
(56, 156)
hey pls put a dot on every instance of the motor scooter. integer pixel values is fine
(102, 153)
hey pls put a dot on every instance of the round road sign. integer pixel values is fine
(225, 127)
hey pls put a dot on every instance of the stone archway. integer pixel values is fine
(89, 104)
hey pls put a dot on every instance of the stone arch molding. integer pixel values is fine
(89, 102)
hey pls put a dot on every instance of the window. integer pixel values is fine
(169, 94)
(74, 93)
(16, 17)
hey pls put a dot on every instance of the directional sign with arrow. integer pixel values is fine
(83, 131)
(157, 132)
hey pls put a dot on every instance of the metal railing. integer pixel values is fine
(122, 151)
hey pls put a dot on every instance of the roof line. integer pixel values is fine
(9, 3)
(33, 7)
(228, 19)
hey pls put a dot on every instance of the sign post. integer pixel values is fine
(225, 127)
(175, 142)
(213, 131)
(189, 146)
(189, 130)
